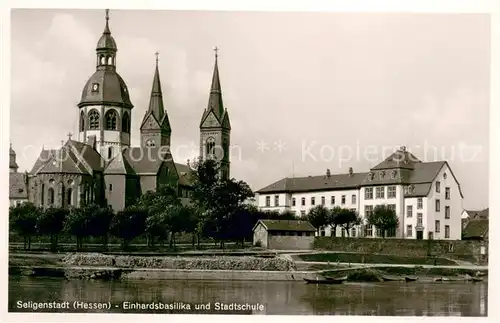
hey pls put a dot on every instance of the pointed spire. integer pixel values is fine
(106, 28)
(156, 99)
(215, 100)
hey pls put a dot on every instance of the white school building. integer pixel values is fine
(426, 196)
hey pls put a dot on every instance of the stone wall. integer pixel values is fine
(457, 249)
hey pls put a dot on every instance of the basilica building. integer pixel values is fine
(101, 166)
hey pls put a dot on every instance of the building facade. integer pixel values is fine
(101, 166)
(284, 234)
(426, 196)
(18, 193)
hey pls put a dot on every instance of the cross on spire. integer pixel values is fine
(216, 50)
(107, 14)
(69, 135)
(157, 54)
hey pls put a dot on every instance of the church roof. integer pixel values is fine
(119, 165)
(145, 160)
(105, 87)
(156, 107)
(17, 186)
(215, 103)
(75, 157)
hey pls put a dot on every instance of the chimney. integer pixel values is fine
(91, 141)
(351, 171)
(328, 173)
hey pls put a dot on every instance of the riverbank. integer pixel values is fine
(112, 267)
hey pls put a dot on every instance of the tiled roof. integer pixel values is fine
(17, 186)
(62, 161)
(286, 225)
(415, 172)
(119, 165)
(476, 229)
(399, 159)
(145, 160)
(42, 159)
(89, 154)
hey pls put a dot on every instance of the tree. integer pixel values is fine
(318, 216)
(383, 218)
(98, 222)
(76, 224)
(155, 204)
(347, 219)
(218, 200)
(23, 220)
(128, 224)
(332, 219)
(51, 222)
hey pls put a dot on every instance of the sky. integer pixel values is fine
(305, 92)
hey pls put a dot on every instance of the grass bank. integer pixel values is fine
(375, 259)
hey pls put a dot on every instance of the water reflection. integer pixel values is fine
(387, 299)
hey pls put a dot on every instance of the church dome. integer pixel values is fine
(105, 87)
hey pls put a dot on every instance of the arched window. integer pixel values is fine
(110, 152)
(210, 146)
(150, 143)
(110, 60)
(126, 123)
(51, 196)
(42, 195)
(103, 60)
(93, 120)
(111, 117)
(82, 121)
(69, 200)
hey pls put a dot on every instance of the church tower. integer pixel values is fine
(12, 160)
(215, 128)
(105, 107)
(155, 127)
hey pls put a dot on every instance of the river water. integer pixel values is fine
(285, 298)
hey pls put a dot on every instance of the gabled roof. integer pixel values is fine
(476, 229)
(146, 160)
(286, 225)
(420, 177)
(87, 155)
(17, 186)
(399, 159)
(119, 165)
(42, 159)
(63, 161)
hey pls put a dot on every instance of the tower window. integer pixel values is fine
(111, 118)
(82, 121)
(126, 123)
(110, 60)
(93, 120)
(210, 146)
(110, 152)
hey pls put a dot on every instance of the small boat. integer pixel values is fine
(392, 278)
(323, 281)
(340, 279)
(477, 279)
(410, 279)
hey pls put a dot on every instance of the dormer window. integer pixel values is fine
(382, 174)
(393, 174)
(370, 176)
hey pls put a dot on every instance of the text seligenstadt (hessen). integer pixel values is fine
(77, 305)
